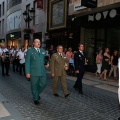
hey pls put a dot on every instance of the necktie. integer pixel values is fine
(38, 51)
(61, 55)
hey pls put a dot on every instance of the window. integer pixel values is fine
(3, 7)
(3, 26)
(12, 3)
(0, 27)
(0, 10)
(34, 6)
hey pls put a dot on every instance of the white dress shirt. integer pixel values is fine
(21, 55)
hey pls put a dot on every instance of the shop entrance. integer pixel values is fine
(99, 38)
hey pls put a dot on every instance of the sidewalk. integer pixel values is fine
(92, 80)
(7, 111)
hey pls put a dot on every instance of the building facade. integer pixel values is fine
(3, 15)
(96, 26)
(18, 29)
(99, 27)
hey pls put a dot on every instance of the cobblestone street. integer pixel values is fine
(95, 104)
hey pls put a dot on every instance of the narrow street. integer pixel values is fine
(95, 104)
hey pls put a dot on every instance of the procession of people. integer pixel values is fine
(33, 61)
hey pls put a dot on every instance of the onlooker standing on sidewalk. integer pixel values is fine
(71, 65)
(58, 67)
(79, 62)
(51, 51)
(105, 63)
(21, 57)
(99, 59)
(35, 69)
(114, 63)
(65, 50)
(69, 53)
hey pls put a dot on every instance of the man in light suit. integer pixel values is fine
(35, 69)
(58, 67)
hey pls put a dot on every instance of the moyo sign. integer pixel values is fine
(103, 15)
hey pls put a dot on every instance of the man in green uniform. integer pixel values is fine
(35, 69)
(58, 67)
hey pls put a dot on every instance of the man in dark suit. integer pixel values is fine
(79, 62)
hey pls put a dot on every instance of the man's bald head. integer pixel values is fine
(37, 43)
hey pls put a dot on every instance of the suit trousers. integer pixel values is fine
(78, 83)
(63, 83)
(38, 83)
(22, 68)
(5, 66)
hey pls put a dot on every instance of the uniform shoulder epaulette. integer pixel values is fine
(54, 54)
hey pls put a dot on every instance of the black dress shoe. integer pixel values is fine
(75, 88)
(81, 92)
(3, 74)
(39, 98)
(67, 95)
(7, 75)
(56, 95)
(36, 102)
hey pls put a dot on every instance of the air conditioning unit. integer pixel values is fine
(89, 3)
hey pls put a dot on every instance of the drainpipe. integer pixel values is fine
(119, 81)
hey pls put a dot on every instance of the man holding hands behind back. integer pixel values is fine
(35, 69)
(58, 67)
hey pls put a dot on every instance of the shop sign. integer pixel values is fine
(40, 4)
(103, 15)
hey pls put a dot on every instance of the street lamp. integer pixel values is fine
(28, 16)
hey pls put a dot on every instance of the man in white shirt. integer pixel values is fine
(21, 57)
(5, 62)
(14, 52)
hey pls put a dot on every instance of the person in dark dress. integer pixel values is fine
(105, 63)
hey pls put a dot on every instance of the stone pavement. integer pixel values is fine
(92, 80)
(7, 111)
(97, 103)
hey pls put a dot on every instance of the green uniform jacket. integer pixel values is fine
(57, 64)
(34, 63)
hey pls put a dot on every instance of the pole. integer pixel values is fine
(119, 81)
(28, 22)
